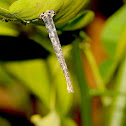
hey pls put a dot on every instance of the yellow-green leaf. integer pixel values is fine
(30, 9)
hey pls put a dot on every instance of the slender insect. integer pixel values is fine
(50, 26)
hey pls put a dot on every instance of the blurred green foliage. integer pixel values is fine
(118, 107)
(45, 78)
(114, 41)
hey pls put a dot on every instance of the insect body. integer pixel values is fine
(48, 20)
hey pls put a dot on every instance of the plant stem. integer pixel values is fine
(84, 90)
(86, 49)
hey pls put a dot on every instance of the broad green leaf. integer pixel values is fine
(33, 74)
(52, 119)
(114, 41)
(118, 113)
(27, 9)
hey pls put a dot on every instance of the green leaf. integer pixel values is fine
(114, 41)
(4, 5)
(81, 20)
(6, 13)
(68, 13)
(52, 119)
(33, 74)
(27, 9)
